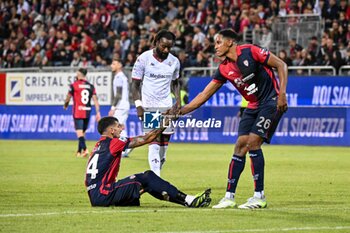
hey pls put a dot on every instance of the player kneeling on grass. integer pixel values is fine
(103, 167)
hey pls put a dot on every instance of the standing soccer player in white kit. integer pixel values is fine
(120, 103)
(153, 74)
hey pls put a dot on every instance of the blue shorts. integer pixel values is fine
(81, 123)
(124, 192)
(262, 121)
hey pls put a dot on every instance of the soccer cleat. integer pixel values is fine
(254, 203)
(125, 154)
(225, 203)
(78, 154)
(201, 199)
(85, 153)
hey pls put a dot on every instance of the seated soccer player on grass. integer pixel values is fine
(103, 167)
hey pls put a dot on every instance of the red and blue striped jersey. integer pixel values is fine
(104, 162)
(250, 74)
(82, 92)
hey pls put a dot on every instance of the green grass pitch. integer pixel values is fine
(307, 189)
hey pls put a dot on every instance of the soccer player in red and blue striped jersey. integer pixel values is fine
(103, 168)
(250, 69)
(82, 92)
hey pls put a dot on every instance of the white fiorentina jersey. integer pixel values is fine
(156, 78)
(120, 80)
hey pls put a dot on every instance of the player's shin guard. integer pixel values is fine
(234, 172)
(257, 166)
(153, 158)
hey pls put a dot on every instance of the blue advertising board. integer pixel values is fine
(299, 126)
(318, 114)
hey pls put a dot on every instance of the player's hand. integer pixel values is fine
(98, 117)
(111, 112)
(140, 112)
(174, 112)
(282, 103)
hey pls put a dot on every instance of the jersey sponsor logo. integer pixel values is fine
(249, 77)
(152, 120)
(238, 82)
(231, 73)
(84, 86)
(160, 76)
(84, 108)
(251, 89)
(246, 63)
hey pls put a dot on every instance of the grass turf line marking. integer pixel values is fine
(269, 230)
(117, 210)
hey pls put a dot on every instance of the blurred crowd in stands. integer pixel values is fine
(91, 32)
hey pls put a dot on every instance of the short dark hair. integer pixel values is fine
(105, 122)
(229, 33)
(83, 71)
(164, 34)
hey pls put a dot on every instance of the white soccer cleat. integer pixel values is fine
(254, 203)
(225, 203)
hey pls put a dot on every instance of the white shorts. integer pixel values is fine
(121, 115)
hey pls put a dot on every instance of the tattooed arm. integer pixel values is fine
(145, 139)
(150, 136)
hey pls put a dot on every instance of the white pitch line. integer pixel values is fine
(179, 210)
(268, 230)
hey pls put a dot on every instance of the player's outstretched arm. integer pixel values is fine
(176, 91)
(145, 139)
(150, 136)
(282, 70)
(201, 98)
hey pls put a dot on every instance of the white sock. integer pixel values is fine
(260, 194)
(153, 158)
(189, 199)
(230, 195)
(162, 155)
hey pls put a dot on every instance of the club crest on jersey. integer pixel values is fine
(230, 73)
(246, 63)
(170, 63)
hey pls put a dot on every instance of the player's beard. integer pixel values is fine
(161, 55)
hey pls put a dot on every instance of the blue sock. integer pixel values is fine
(257, 166)
(234, 172)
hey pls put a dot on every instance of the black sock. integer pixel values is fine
(234, 172)
(257, 166)
(82, 145)
(160, 188)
